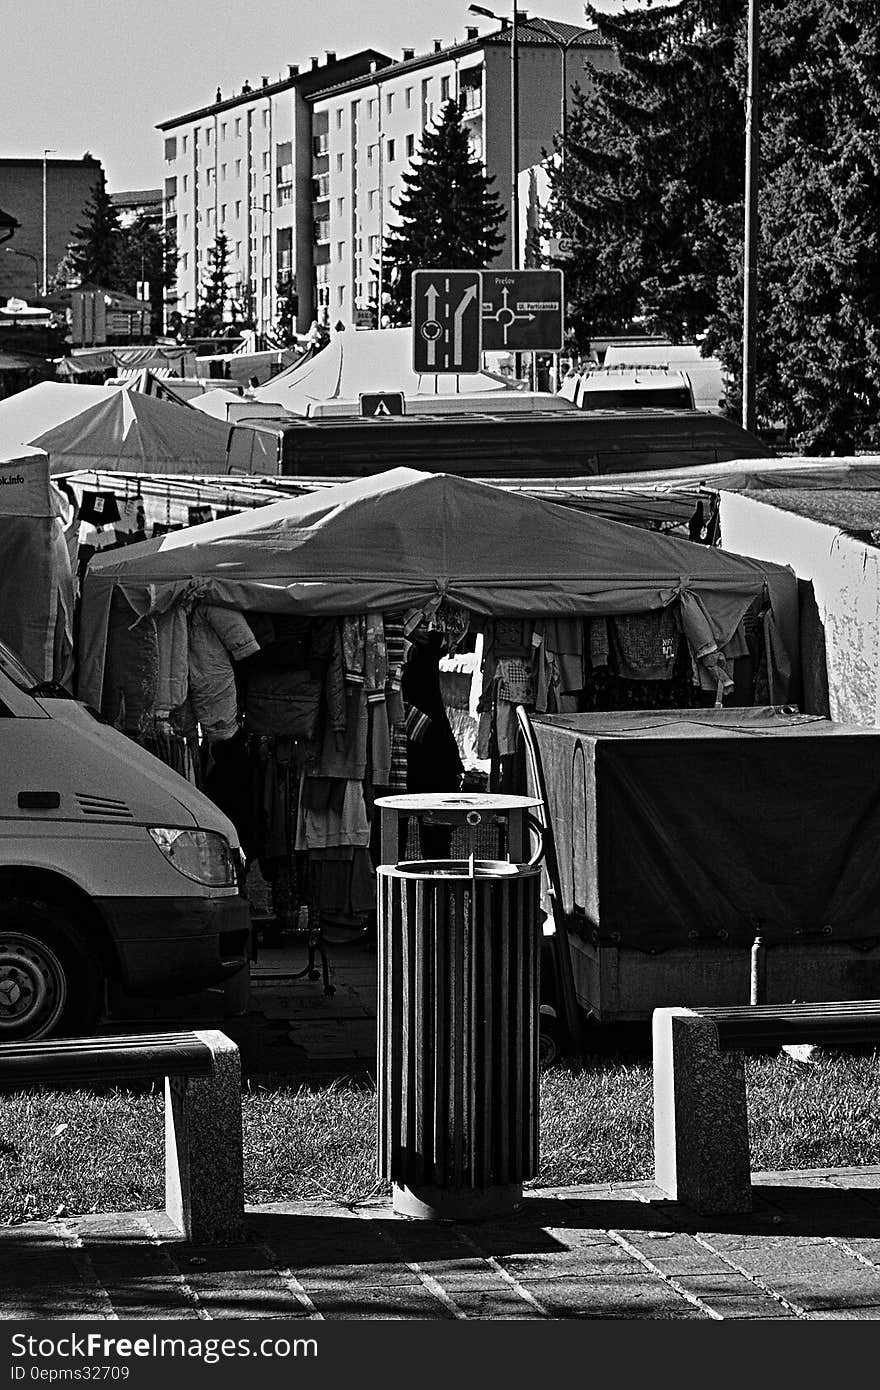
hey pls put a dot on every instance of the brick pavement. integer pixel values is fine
(809, 1251)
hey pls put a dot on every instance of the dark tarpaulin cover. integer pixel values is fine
(678, 826)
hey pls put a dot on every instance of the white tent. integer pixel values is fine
(366, 361)
(215, 402)
(112, 428)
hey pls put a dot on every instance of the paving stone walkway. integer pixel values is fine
(810, 1250)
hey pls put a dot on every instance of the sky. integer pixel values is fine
(98, 75)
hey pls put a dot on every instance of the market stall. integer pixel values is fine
(279, 638)
(36, 585)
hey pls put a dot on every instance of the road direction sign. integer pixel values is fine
(446, 320)
(381, 403)
(522, 310)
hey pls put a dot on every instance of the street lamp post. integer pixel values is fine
(750, 240)
(46, 153)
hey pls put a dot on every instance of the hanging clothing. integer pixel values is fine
(645, 644)
(172, 633)
(131, 669)
(433, 760)
(217, 637)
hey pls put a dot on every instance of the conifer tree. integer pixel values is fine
(210, 315)
(818, 339)
(648, 147)
(449, 214)
(95, 257)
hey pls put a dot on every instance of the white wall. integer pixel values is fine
(845, 574)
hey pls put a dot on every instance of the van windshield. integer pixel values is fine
(15, 669)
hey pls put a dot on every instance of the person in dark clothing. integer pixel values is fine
(433, 760)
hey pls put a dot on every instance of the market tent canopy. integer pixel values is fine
(112, 427)
(365, 361)
(409, 539)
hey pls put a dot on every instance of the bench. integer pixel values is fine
(701, 1140)
(204, 1183)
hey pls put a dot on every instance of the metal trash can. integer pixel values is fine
(458, 1068)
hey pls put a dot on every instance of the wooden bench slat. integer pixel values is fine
(752, 1026)
(123, 1058)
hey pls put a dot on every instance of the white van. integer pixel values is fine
(112, 868)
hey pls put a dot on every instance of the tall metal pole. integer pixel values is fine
(514, 142)
(750, 244)
(45, 236)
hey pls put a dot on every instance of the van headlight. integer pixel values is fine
(202, 855)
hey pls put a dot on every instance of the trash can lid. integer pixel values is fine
(457, 801)
(457, 868)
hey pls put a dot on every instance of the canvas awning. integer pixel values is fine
(406, 538)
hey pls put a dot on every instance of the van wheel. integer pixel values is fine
(50, 982)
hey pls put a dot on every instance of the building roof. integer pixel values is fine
(306, 81)
(137, 198)
(568, 36)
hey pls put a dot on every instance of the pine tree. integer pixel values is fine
(210, 315)
(648, 149)
(818, 339)
(449, 214)
(95, 257)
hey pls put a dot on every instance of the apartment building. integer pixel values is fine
(303, 174)
(243, 166)
(367, 131)
(48, 198)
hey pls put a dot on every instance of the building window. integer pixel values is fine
(238, 168)
(340, 163)
(374, 245)
(222, 214)
(207, 135)
(223, 130)
(410, 146)
(409, 95)
(266, 119)
(340, 207)
(238, 208)
(391, 191)
(444, 89)
(339, 118)
(238, 250)
(185, 220)
(390, 149)
(209, 176)
(171, 147)
(371, 108)
(185, 182)
(210, 217)
(340, 295)
(223, 171)
(238, 125)
(184, 261)
(389, 103)
(184, 143)
(371, 199)
(340, 250)
(267, 168)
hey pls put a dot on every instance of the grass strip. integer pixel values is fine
(79, 1151)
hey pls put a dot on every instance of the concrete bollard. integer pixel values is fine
(701, 1138)
(204, 1177)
